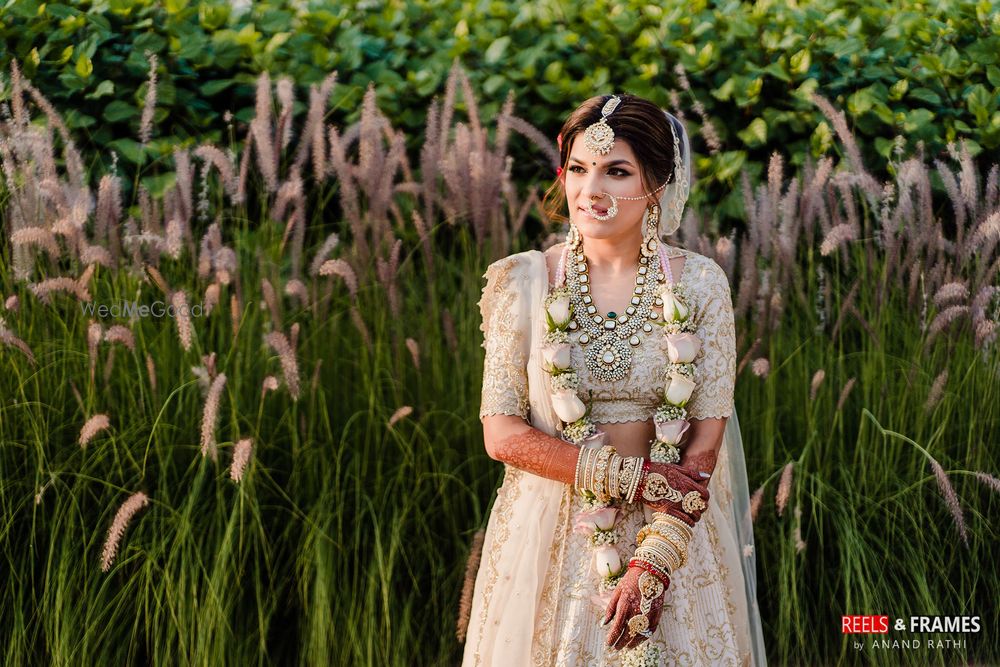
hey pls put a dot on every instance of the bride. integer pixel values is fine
(621, 533)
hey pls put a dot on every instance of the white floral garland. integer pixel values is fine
(598, 518)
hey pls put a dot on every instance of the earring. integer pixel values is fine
(573, 237)
(649, 231)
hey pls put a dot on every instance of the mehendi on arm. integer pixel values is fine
(538, 453)
(701, 452)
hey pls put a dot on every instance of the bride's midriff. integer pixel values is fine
(630, 438)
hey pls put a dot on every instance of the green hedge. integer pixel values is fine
(927, 72)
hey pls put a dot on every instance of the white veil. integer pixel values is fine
(672, 202)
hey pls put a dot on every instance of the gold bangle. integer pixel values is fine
(576, 475)
(601, 476)
(658, 550)
(614, 467)
(673, 521)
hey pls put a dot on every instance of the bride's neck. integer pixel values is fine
(613, 255)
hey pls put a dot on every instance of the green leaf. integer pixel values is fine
(800, 61)
(105, 87)
(993, 75)
(175, 6)
(215, 87)
(118, 111)
(980, 104)
(898, 89)
(821, 140)
(84, 67)
(725, 91)
(496, 50)
(917, 120)
(729, 163)
(755, 134)
(860, 102)
(129, 149)
(493, 84)
(926, 95)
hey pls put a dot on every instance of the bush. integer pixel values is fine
(926, 73)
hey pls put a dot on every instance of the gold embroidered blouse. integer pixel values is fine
(506, 340)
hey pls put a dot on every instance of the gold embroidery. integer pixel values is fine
(637, 396)
(497, 534)
(505, 338)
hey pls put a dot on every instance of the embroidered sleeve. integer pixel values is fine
(716, 361)
(506, 340)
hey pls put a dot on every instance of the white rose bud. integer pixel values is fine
(678, 389)
(567, 405)
(559, 311)
(672, 432)
(674, 310)
(682, 348)
(556, 355)
(607, 562)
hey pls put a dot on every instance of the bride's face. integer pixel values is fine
(588, 177)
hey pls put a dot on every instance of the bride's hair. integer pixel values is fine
(638, 122)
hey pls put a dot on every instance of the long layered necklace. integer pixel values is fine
(608, 339)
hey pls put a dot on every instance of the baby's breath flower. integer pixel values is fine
(662, 452)
(566, 380)
(688, 370)
(600, 537)
(579, 430)
(555, 294)
(556, 337)
(668, 413)
(610, 581)
(591, 502)
(643, 655)
(675, 327)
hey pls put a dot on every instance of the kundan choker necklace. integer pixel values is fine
(608, 339)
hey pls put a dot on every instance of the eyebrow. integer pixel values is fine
(612, 163)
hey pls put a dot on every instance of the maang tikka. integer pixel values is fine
(599, 138)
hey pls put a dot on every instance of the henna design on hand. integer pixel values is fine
(540, 454)
(684, 480)
(624, 605)
(701, 462)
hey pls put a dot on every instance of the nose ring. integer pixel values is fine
(612, 210)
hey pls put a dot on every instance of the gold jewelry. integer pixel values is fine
(576, 475)
(671, 520)
(638, 623)
(660, 552)
(650, 588)
(692, 502)
(636, 479)
(658, 488)
(614, 466)
(599, 138)
(608, 338)
(601, 472)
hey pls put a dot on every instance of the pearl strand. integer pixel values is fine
(561, 268)
(664, 261)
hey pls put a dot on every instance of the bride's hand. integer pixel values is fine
(680, 478)
(624, 606)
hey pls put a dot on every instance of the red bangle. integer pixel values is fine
(652, 569)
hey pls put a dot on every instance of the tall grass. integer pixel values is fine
(339, 370)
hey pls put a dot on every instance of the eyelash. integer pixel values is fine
(622, 174)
